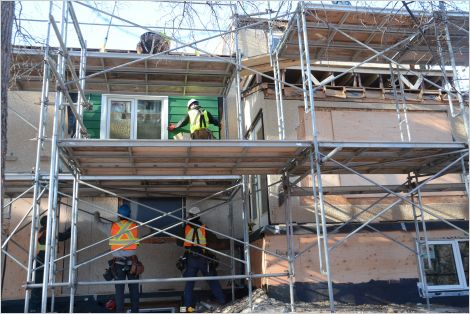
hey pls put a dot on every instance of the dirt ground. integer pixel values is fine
(263, 304)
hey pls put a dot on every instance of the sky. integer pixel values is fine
(173, 18)
(166, 16)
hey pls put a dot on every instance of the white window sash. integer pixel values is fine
(458, 266)
(106, 113)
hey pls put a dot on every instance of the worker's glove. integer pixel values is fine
(171, 127)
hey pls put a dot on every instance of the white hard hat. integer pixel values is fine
(192, 100)
(194, 210)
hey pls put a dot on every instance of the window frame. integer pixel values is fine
(457, 263)
(106, 111)
(262, 196)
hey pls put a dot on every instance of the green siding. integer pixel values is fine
(177, 109)
(92, 118)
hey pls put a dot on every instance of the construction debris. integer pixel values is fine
(262, 303)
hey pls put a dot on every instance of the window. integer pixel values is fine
(275, 39)
(449, 265)
(134, 117)
(167, 205)
(258, 183)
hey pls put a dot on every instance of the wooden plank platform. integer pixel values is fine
(198, 168)
(219, 158)
(167, 74)
(143, 186)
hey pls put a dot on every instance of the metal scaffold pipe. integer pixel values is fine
(41, 133)
(289, 240)
(183, 45)
(317, 159)
(160, 280)
(54, 170)
(401, 198)
(442, 6)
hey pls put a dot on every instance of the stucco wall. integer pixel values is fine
(22, 143)
(251, 42)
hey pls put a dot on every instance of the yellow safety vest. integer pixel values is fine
(195, 121)
(122, 236)
(40, 247)
(196, 238)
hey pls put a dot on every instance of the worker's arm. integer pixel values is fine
(158, 240)
(211, 237)
(146, 230)
(64, 235)
(180, 124)
(213, 120)
(104, 227)
(215, 243)
(180, 242)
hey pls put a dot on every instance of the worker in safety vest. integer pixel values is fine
(196, 239)
(123, 244)
(198, 119)
(36, 294)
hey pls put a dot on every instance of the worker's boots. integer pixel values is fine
(189, 309)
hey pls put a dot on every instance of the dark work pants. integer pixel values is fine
(36, 293)
(122, 272)
(194, 265)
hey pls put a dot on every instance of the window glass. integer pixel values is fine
(165, 205)
(463, 247)
(259, 195)
(120, 120)
(274, 42)
(149, 114)
(443, 270)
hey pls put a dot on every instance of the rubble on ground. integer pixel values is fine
(262, 303)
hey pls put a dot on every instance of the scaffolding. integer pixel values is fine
(230, 162)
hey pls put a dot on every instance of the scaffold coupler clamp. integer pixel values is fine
(87, 105)
(28, 284)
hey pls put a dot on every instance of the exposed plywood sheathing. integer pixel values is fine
(367, 256)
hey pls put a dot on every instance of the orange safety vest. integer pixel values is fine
(198, 237)
(122, 237)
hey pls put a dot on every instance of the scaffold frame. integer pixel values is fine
(295, 160)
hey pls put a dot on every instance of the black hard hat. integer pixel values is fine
(43, 220)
